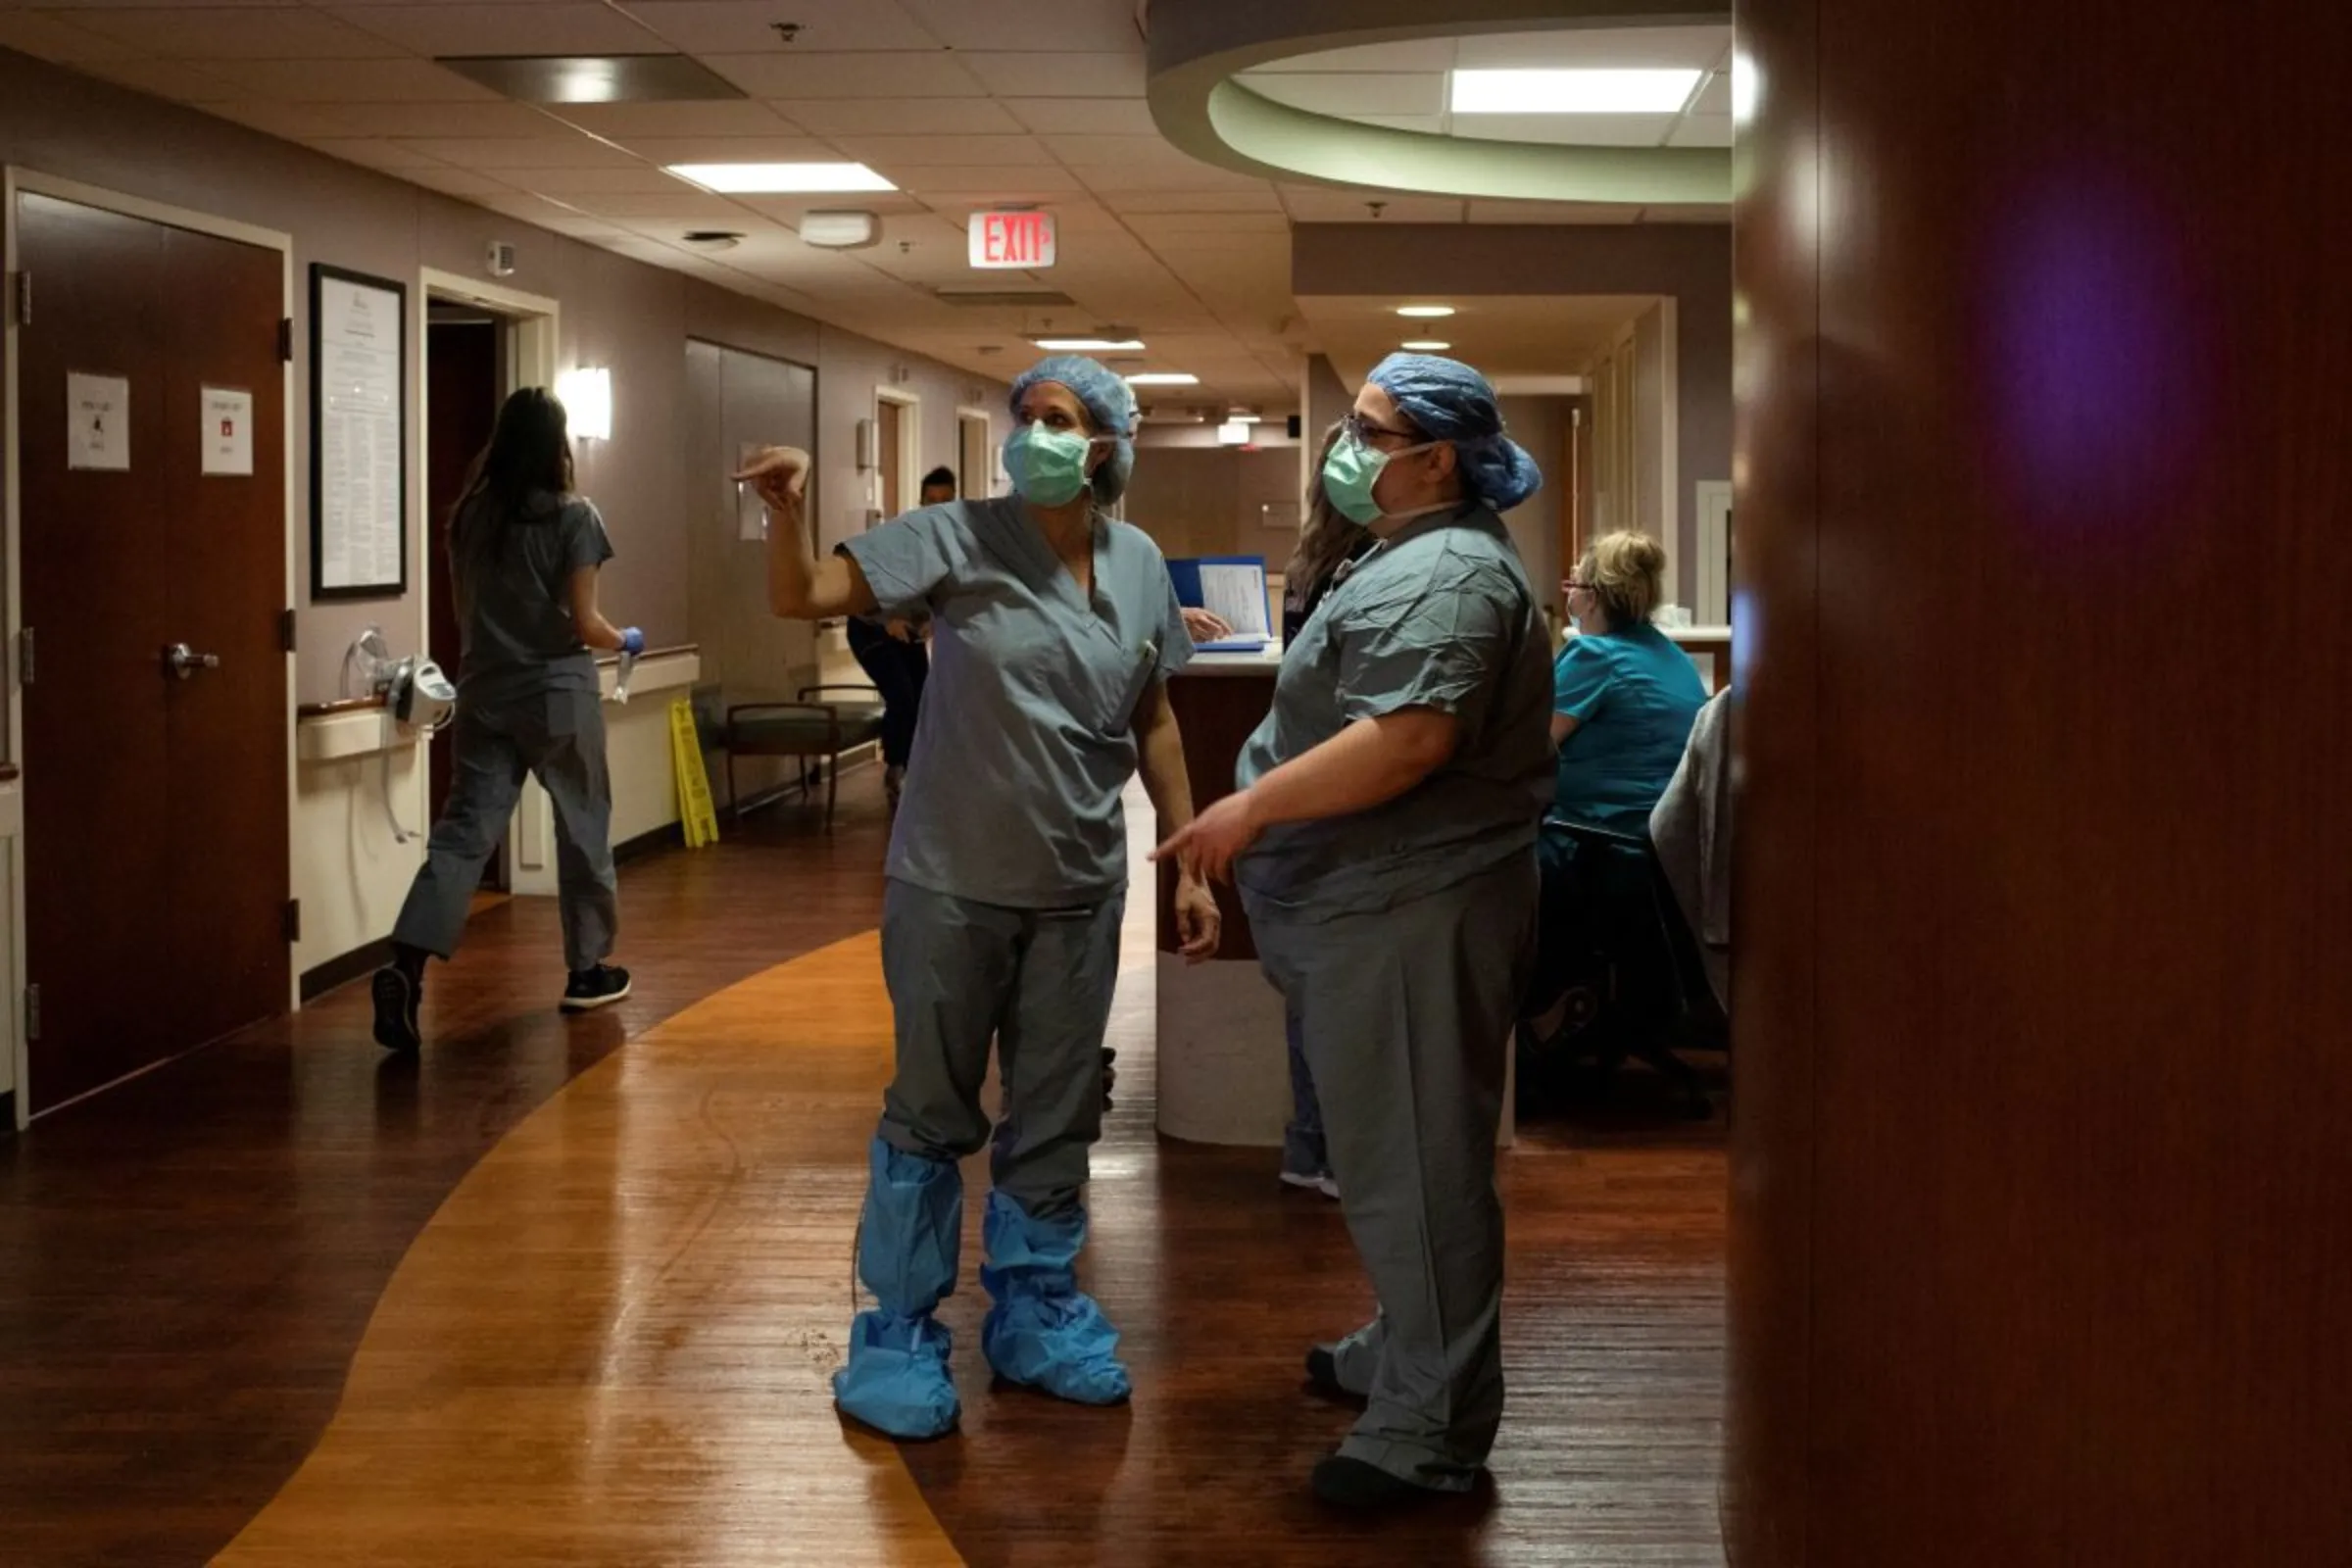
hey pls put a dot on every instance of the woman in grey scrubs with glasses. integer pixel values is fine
(1055, 631)
(1383, 834)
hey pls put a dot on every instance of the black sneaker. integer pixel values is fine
(591, 988)
(396, 999)
(1348, 1483)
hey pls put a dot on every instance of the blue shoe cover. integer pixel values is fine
(1043, 1332)
(896, 1381)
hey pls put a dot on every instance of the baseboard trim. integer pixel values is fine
(671, 836)
(336, 973)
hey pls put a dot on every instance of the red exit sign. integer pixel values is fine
(1011, 239)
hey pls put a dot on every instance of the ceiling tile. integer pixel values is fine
(1061, 75)
(524, 152)
(358, 81)
(632, 179)
(790, 210)
(1316, 205)
(577, 28)
(1085, 117)
(1041, 25)
(1002, 185)
(57, 39)
(787, 78)
(748, 26)
(1414, 55)
(901, 116)
(886, 153)
(1702, 130)
(1180, 228)
(290, 122)
(174, 79)
(741, 116)
(1130, 152)
(374, 154)
(1114, 179)
(690, 208)
(457, 181)
(240, 32)
(729, 149)
(1696, 48)
(441, 120)
(1394, 93)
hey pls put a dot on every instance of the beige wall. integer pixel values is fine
(1204, 501)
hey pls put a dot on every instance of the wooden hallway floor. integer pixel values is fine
(568, 1291)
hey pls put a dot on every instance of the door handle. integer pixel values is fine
(182, 661)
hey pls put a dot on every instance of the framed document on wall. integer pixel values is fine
(358, 435)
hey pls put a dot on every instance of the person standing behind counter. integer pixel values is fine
(1384, 834)
(1055, 631)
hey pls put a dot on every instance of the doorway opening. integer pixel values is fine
(975, 454)
(898, 449)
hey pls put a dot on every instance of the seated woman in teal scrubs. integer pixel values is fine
(1054, 631)
(1624, 697)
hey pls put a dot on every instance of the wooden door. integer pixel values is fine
(461, 399)
(155, 811)
(890, 450)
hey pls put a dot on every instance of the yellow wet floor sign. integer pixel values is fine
(696, 814)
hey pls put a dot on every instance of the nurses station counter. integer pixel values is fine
(1224, 1069)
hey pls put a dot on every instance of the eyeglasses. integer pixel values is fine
(1571, 585)
(1365, 431)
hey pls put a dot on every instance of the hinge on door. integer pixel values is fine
(22, 302)
(293, 920)
(24, 657)
(285, 630)
(33, 1012)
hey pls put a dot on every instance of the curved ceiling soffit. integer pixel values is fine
(1197, 47)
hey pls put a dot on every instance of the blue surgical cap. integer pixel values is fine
(1450, 402)
(1108, 401)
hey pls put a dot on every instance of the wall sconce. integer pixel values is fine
(1233, 433)
(587, 397)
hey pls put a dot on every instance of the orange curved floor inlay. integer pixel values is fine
(613, 1343)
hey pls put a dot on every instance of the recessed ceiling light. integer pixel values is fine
(1163, 378)
(780, 180)
(1573, 92)
(1090, 345)
(1425, 313)
(1425, 345)
(594, 79)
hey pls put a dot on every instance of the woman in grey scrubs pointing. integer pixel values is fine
(1054, 632)
(1383, 835)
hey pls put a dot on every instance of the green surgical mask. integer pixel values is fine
(1352, 472)
(1048, 466)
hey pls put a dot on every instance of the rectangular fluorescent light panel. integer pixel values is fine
(1165, 378)
(781, 179)
(1090, 345)
(595, 78)
(1573, 92)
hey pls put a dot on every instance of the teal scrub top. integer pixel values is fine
(1633, 695)
(1441, 616)
(1025, 740)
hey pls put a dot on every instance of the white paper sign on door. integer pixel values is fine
(97, 422)
(227, 432)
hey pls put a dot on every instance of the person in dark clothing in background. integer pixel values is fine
(893, 654)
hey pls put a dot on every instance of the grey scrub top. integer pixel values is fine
(1441, 617)
(1025, 739)
(512, 576)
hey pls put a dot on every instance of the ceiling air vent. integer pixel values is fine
(1016, 297)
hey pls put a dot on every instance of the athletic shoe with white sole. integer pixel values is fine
(591, 988)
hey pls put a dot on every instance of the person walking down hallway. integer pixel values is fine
(1054, 630)
(524, 553)
(891, 650)
(1382, 833)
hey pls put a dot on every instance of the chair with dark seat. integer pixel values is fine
(1630, 970)
(817, 732)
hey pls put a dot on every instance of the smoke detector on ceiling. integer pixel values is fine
(841, 231)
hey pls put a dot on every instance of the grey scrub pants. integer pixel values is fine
(559, 738)
(1039, 983)
(1406, 1017)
